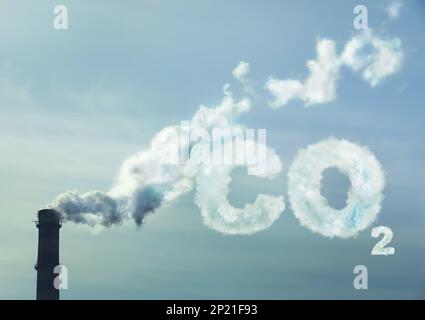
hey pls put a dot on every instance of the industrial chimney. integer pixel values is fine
(48, 225)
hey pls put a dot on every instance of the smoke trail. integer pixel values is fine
(92, 208)
(148, 180)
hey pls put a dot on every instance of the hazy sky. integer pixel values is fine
(74, 104)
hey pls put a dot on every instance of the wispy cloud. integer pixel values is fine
(373, 57)
(394, 8)
(319, 87)
(241, 70)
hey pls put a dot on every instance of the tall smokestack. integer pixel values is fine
(48, 225)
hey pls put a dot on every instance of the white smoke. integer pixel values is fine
(374, 57)
(213, 187)
(148, 180)
(364, 197)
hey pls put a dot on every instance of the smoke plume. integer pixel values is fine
(149, 180)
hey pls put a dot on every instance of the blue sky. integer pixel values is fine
(74, 104)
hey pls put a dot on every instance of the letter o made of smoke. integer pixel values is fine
(364, 197)
(213, 187)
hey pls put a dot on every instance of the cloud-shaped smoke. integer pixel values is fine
(149, 180)
(364, 197)
(213, 187)
(374, 57)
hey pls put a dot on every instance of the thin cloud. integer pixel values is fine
(394, 8)
(373, 57)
